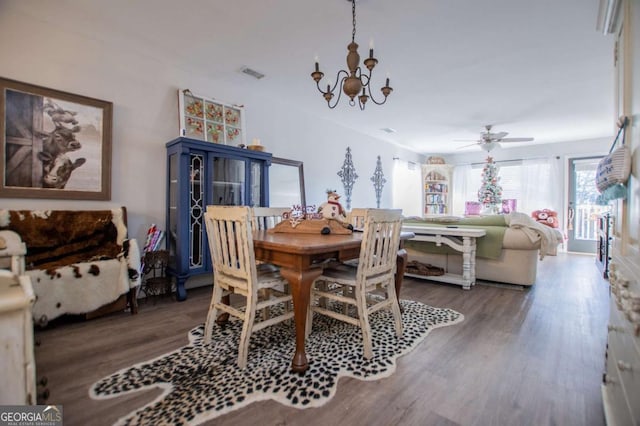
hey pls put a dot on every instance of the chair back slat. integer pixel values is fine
(230, 237)
(380, 242)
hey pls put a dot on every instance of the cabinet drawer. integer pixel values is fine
(624, 356)
(622, 334)
(616, 408)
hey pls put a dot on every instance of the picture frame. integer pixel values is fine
(53, 144)
(211, 120)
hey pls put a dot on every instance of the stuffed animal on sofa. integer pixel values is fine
(546, 217)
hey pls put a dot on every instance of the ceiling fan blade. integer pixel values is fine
(467, 146)
(515, 140)
(489, 135)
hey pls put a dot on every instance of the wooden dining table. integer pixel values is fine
(301, 258)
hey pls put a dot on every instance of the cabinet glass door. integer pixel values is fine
(255, 184)
(172, 232)
(196, 210)
(228, 182)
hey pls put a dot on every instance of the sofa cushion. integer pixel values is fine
(518, 240)
(490, 220)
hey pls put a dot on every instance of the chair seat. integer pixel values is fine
(269, 278)
(266, 267)
(344, 272)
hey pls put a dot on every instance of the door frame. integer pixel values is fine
(570, 161)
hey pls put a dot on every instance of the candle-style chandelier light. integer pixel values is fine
(354, 83)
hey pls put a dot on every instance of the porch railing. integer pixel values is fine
(585, 223)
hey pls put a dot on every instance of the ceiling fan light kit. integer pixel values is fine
(489, 146)
(351, 82)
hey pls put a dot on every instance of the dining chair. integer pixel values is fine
(263, 218)
(229, 232)
(357, 214)
(369, 286)
(356, 217)
(267, 217)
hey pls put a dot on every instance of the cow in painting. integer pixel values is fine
(60, 141)
(57, 170)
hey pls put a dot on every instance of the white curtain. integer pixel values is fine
(535, 184)
(407, 193)
(541, 185)
(463, 187)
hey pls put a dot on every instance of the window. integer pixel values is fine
(535, 184)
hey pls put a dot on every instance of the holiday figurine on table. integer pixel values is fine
(333, 210)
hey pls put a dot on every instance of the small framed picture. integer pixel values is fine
(53, 144)
(210, 120)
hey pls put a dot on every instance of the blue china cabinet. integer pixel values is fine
(200, 174)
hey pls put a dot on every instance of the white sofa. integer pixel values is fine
(524, 243)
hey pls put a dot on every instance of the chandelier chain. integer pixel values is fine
(353, 13)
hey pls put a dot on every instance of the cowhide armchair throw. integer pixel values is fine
(78, 260)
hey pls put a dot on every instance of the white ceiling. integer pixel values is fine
(531, 68)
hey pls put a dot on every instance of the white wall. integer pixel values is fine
(91, 60)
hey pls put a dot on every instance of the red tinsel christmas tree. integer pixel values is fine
(490, 192)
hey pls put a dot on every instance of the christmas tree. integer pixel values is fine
(490, 192)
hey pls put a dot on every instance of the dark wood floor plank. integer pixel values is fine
(531, 356)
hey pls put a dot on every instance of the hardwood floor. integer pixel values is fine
(521, 357)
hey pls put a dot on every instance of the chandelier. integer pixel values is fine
(354, 83)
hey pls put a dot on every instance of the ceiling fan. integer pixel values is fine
(489, 141)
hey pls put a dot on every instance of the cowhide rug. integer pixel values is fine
(201, 382)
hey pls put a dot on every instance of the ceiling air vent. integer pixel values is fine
(253, 73)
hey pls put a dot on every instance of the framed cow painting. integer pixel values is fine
(53, 144)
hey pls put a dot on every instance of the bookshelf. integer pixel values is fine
(436, 189)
